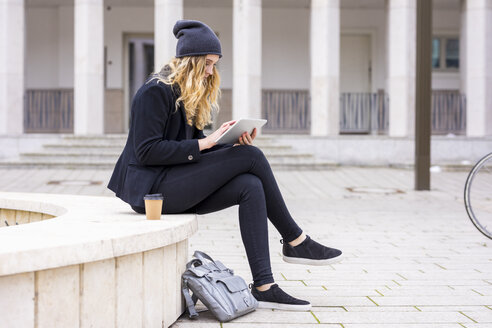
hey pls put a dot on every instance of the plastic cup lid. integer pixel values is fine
(153, 197)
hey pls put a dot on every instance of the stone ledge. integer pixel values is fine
(85, 229)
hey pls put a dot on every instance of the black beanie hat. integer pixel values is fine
(195, 38)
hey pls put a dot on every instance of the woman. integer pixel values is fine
(167, 152)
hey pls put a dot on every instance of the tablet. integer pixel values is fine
(237, 129)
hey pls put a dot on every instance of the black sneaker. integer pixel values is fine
(310, 252)
(276, 298)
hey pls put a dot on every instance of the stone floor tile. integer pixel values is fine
(279, 325)
(434, 300)
(340, 301)
(479, 316)
(268, 316)
(405, 325)
(456, 308)
(381, 309)
(392, 317)
(195, 324)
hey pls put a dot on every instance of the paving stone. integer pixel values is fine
(381, 309)
(268, 316)
(434, 300)
(391, 317)
(338, 301)
(196, 324)
(279, 325)
(479, 316)
(443, 291)
(457, 308)
(392, 325)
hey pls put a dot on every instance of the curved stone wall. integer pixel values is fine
(10, 217)
(96, 263)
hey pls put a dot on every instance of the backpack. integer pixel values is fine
(227, 296)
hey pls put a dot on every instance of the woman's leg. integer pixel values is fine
(247, 191)
(185, 186)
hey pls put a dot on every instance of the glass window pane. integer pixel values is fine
(452, 53)
(436, 52)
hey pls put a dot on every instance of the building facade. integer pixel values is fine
(319, 67)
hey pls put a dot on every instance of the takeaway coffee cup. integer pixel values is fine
(153, 206)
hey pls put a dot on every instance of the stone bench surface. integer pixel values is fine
(85, 229)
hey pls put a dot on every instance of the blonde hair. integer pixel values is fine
(199, 95)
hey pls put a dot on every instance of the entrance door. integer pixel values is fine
(355, 63)
(139, 65)
(356, 101)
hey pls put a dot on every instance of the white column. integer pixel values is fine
(246, 92)
(89, 67)
(139, 60)
(401, 66)
(166, 13)
(479, 68)
(12, 50)
(462, 51)
(325, 67)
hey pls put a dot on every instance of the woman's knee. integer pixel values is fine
(249, 183)
(251, 152)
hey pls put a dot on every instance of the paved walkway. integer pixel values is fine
(413, 259)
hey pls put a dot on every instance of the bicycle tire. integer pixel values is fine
(468, 201)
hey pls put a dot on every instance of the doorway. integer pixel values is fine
(355, 63)
(139, 64)
(358, 106)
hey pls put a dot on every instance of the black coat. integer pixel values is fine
(159, 137)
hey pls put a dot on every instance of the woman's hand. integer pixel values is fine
(246, 138)
(209, 141)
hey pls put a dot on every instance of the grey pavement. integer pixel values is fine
(412, 259)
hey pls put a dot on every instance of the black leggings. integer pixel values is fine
(226, 177)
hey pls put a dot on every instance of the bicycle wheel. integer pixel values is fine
(478, 195)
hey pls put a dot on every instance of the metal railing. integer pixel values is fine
(287, 111)
(448, 112)
(48, 111)
(363, 113)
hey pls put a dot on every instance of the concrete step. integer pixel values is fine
(121, 144)
(87, 148)
(102, 165)
(102, 152)
(112, 139)
(81, 148)
(109, 158)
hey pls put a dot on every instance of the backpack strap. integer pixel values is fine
(201, 255)
(190, 301)
(193, 263)
(222, 267)
(200, 265)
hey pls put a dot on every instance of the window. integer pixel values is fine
(452, 53)
(436, 53)
(445, 53)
